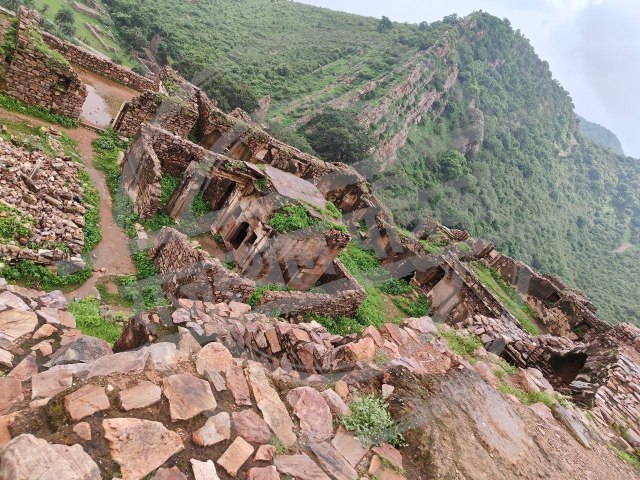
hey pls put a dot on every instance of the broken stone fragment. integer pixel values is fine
(188, 396)
(26, 368)
(51, 382)
(172, 473)
(251, 426)
(299, 466)
(84, 349)
(265, 453)
(86, 401)
(204, 470)
(333, 462)
(234, 457)
(263, 473)
(140, 446)
(15, 324)
(237, 383)
(316, 422)
(213, 356)
(27, 457)
(216, 430)
(83, 430)
(143, 395)
(10, 393)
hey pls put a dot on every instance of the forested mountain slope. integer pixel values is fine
(600, 135)
(468, 123)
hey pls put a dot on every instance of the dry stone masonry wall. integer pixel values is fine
(40, 76)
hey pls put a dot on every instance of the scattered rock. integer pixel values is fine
(300, 466)
(268, 401)
(166, 358)
(10, 393)
(216, 430)
(15, 323)
(390, 454)
(316, 422)
(126, 363)
(204, 470)
(50, 383)
(237, 383)
(6, 359)
(265, 453)
(54, 299)
(251, 426)
(28, 458)
(86, 401)
(83, 430)
(213, 356)
(234, 457)
(334, 462)
(172, 473)
(27, 368)
(335, 403)
(140, 446)
(570, 420)
(377, 469)
(188, 396)
(263, 473)
(143, 395)
(84, 349)
(216, 380)
(349, 446)
(45, 331)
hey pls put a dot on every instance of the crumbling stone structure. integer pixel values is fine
(100, 65)
(38, 75)
(563, 310)
(171, 103)
(189, 272)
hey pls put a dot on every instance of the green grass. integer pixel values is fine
(632, 458)
(297, 217)
(15, 105)
(527, 398)
(261, 289)
(415, 308)
(371, 422)
(89, 321)
(491, 279)
(31, 275)
(91, 200)
(107, 148)
(466, 347)
(13, 224)
(118, 298)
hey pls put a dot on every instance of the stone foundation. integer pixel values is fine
(188, 272)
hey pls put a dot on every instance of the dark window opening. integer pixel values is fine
(553, 299)
(567, 367)
(239, 235)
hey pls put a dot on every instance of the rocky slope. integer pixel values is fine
(232, 408)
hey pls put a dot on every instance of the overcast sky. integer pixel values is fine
(593, 47)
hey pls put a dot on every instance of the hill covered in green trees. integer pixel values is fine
(600, 135)
(467, 123)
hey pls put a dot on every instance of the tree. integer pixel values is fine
(14, 5)
(65, 16)
(385, 24)
(337, 136)
(67, 29)
(423, 26)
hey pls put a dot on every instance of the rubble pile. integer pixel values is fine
(47, 194)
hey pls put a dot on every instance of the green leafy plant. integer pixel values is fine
(415, 308)
(466, 347)
(29, 274)
(261, 289)
(296, 217)
(371, 421)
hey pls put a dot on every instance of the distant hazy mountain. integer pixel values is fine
(599, 134)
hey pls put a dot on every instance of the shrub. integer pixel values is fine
(31, 275)
(145, 267)
(261, 289)
(371, 421)
(414, 308)
(296, 217)
(396, 287)
(337, 136)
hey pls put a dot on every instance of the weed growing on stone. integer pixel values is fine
(464, 346)
(371, 421)
(527, 398)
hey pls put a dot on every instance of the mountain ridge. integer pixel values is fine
(482, 137)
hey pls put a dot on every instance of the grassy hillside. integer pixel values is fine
(469, 124)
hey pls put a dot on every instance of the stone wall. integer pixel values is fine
(142, 175)
(100, 65)
(39, 76)
(189, 272)
(172, 105)
(339, 295)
